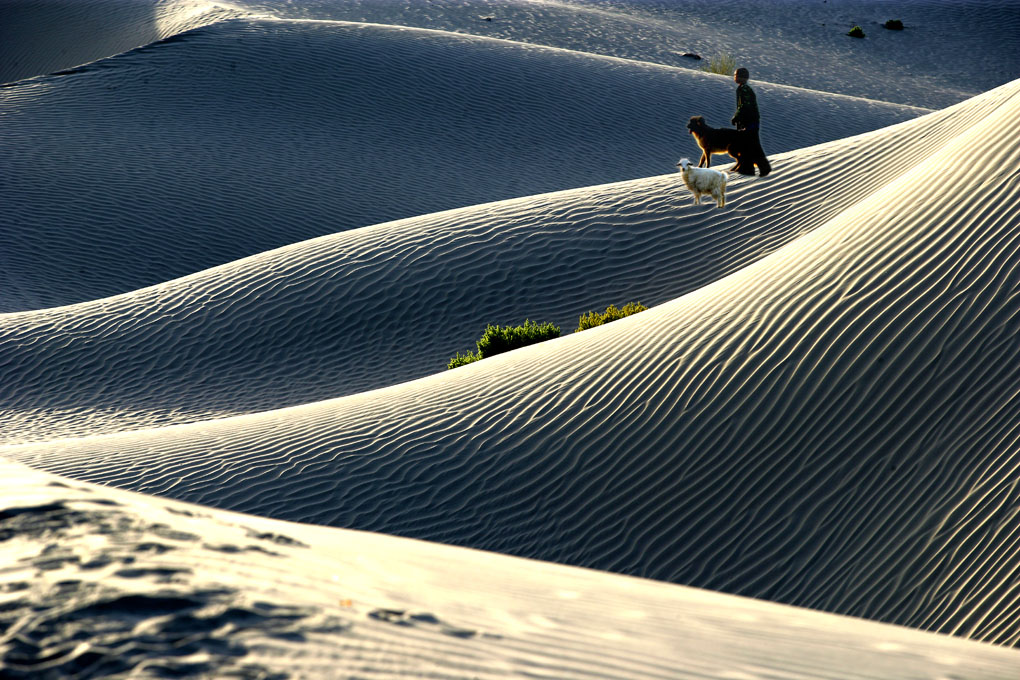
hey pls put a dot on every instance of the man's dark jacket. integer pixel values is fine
(746, 116)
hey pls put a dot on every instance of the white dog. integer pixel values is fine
(704, 181)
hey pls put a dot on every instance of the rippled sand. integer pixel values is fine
(238, 253)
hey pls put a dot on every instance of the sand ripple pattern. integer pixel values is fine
(831, 425)
(101, 582)
(340, 314)
(233, 139)
(806, 47)
(40, 36)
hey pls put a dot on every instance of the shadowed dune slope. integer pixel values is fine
(248, 135)
(42, 36)
(101, 582)
(340, 314)
(950, 50)
(833, 425)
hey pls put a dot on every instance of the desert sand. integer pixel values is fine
(240, 242)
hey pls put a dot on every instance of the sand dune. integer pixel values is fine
(43, 36)
(163, 589)
(257, 135)
(819, 427)
(950, 50)
(336, 315)
(239, 245)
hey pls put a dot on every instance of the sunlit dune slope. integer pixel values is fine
(102, 582)
(378, 306)
(831, 425)
(243, 136)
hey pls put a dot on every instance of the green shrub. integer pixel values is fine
(894, 25)
(725, 64)
(462, 359)
(856, 32)
(499, 339)
(612, 313)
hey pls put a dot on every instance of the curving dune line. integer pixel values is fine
(338, 315)
(237, 138)
(831, 425)
(971, 43)
(39, 36)
(950, 51)
(106, 581)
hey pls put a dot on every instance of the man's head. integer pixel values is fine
(741, 75)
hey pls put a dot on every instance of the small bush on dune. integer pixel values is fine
(856, 32)
(723, 63)
(463, 359)
(499, 339)
(612, 313)
(894, 25)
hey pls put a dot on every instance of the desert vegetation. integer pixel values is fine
(894, 25)
(722, 63)
(499, 339)
(856, 32)
(612, 313)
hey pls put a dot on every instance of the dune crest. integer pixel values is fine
(240, 241)
(795, 386)
(37, 38)
(335, 316)
(151, 586)
(260, 134)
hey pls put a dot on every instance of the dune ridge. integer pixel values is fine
(934, 63)
(807, 48)
(256, 132)
(246, 335)
(159, 588)
(38, 38)
(796, 386)
(239, 242)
